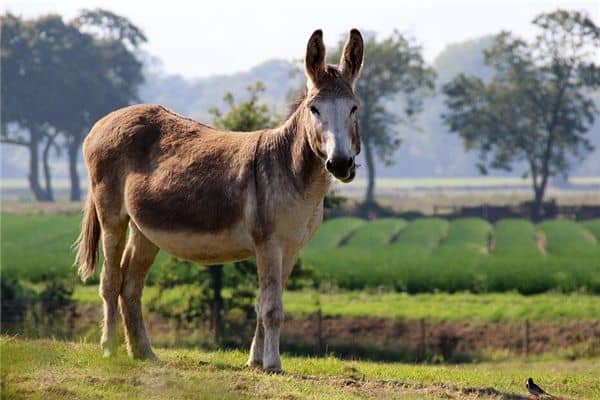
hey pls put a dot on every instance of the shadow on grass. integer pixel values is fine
(447, 354)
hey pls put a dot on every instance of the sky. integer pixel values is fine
(203, 38)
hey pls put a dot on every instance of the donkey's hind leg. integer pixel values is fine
(258, 341)
(139, 255)
(114, 231)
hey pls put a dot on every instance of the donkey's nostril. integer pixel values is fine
(340, 166)
(329, 165)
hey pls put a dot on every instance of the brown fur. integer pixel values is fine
(87, 254)
(209, 196)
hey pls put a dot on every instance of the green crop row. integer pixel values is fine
(423, 255)
(470, 254)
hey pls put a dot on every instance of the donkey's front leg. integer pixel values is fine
(270, 305)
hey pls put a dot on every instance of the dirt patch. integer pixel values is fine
(540, 241)
(443, 338)
(386, 388)
(589, 237)
(383, 338)
(33, 207)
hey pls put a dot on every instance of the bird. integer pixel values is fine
(535, 389)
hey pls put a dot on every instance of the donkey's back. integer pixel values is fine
(172, 176)
(140, 137)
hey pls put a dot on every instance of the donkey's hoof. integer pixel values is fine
(254, 364)
(107, 353)
(145, 356)
(108, 349)
(273, 370)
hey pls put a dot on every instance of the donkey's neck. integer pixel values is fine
(306, 173)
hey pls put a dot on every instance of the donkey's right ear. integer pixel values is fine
(314, 62)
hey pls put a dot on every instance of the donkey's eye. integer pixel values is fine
(315, 111)
(353, 110)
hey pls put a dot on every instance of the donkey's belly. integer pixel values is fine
(204, 248)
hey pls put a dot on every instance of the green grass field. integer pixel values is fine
(36, 246)
(515, 237)
(48, 370)
(423, 255)
(376, 233)
(465, 254)
(332, 236)
(492, 307)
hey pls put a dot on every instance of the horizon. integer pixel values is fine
(433, 24)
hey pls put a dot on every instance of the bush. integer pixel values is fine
(50, 312)
(16, 301)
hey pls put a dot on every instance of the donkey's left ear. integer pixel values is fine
(352, 56)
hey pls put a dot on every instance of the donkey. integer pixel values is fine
(213, 196)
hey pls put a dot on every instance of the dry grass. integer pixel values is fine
(55, 370)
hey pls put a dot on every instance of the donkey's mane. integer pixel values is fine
(297, 102)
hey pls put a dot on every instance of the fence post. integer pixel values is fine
(526, 341)
(422, 339)
(319, 332)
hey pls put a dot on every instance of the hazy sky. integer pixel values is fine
(201, 38)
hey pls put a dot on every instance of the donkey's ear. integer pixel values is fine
(314, 62)
(352, 56)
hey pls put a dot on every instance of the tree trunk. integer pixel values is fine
(216, 276)
(33, 177)
(73, 152)
(538, 202)
(47, 170)
(370, 195)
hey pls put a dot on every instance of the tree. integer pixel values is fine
(106, 78)
(245, 116)
(28, 89)
(58, 78)
(537, 107)
(392, 66)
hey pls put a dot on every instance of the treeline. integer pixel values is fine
(58, 78)
(535, 109)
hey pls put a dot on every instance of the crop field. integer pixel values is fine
(37, 246)
(56, 370)
(422, 255)
(460, 277)
(466, 254)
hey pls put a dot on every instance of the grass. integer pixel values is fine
(568, 238)
(332, 235)
(423, 255)
(423, 232)
(593, 227)
(414, 270)
(468, 234)
(376, 233)
(37, 245)
(46, 369)
(431, 254)
(493, 307)
(515, 236)
(504, 307)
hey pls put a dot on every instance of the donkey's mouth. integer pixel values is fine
(349, 177)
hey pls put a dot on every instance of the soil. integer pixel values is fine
(382, 338)
(461, 337)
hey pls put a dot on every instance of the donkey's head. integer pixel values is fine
(330, 105)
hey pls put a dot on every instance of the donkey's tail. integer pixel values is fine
(87, 242)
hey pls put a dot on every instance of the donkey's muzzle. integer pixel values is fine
(342, 168)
